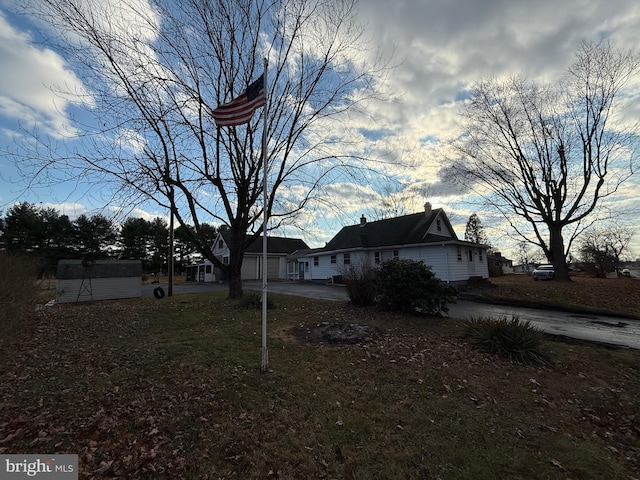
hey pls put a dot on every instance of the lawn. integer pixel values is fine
(171, 389)
(610, 295)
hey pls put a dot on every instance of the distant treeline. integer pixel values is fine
(49, 236)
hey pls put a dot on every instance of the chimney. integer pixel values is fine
(363, 220)
(427, 208)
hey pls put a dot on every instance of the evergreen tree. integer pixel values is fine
(474, 232)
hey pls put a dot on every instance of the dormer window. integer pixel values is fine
(438, 225)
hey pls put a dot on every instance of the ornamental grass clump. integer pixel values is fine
(253, 300)
(361, 284)
(514, 339)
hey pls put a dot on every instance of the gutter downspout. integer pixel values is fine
(446, 251)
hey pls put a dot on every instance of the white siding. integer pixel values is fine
(443, 260)
(325, 268)
(220, 251)
(67, 290)
(443, 231)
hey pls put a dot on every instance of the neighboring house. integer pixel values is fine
(200, 272)
(427, 236)
(499, 265)
(81, 281)
(524, 268)
(278, 249)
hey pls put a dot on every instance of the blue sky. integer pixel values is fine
(440, 48)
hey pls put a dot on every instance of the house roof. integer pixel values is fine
(275, 245)
(405, 230)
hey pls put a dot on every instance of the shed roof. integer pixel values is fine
(78, 269)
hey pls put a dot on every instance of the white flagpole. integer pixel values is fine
(265, 353)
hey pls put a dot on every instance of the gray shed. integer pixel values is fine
(80, 281)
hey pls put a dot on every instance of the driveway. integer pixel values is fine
(594, 328)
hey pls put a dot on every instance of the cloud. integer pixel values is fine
(29, 72)
(439, 50)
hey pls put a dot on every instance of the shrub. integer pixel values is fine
(411, 286)
(361, 284)
(513, 339)
(254, 300)
(17, 291)
(495, 271)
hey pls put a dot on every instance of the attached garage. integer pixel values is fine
(278, 248)
(252, 268)
(82, 281)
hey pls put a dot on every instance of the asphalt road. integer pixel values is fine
(594, 328)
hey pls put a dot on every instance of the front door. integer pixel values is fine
(301, 270)
(472, 265)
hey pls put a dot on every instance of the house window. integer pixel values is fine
(459, 254)
(333, 259)
(306, 267)
(220, 243)
(438, 225)
(396, 255)
(347, 258)
(207, 268)
(316, 261)
(480, 255)
(376, 258)
(225, 260)
(470, 252)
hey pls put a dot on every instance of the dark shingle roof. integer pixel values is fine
(404, 230)
(275, 245)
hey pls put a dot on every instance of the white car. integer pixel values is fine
(625, 272)
(543, 272)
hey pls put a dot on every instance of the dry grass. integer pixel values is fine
(171, 389)
(616, 295)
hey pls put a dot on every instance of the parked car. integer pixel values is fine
(543, 272)
(626, 272)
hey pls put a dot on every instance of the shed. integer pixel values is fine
(79, 280)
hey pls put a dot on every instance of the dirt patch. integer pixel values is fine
(337, 333)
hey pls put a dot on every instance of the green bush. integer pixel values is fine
(254, 300)
(513, 339)
(411, 286)
(360, 281)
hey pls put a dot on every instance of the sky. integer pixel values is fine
(439, 49)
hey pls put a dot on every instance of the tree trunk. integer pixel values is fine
(236, 256)
(235, 283)
(556, 254)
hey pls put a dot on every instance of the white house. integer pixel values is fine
(426, 236)
(278, 249)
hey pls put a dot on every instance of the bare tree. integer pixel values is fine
(545, 156)
(154, 76)
(605, 247)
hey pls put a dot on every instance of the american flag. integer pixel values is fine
(240, 109)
